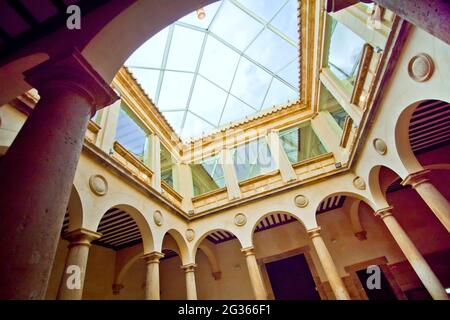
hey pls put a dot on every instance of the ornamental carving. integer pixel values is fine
(359, 183)
(158, 218)
(190, 235)
(240, 219)
(301, 201)
(380, 146)
(98, 184)
(421, 67)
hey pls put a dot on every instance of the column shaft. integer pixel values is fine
(152, 286)
(336, 283)
(436, 201)
(38, 170)
(191, 288)
(412, 254)
(255, 275)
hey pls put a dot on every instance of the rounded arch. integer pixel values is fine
(377, 187)
(203, 237)
(181, 244)
(139, 218)
(374, 206)
(75, 210)
(278, 218)
(13, 71)
(402, 131)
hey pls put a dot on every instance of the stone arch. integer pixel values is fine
(142, 223)
(295, 218)
(370, 203)
(13, 71)
(181, 244)
(203, 237)
(75, 210)
(402, 137)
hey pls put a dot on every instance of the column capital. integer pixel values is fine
(81, 236)
(414, 179)
(153, 257)
(248, 251)
(385, 212)
(72, 71)
(189, 267)
(314, 233)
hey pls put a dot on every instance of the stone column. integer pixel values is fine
(152, 291)
(38, 170)
(191, 288)
(280, 157)
(155, 155)
(72, 282)
(432, 197)
(336, 283)
(229, 173)
(255, 275)
(418, 263)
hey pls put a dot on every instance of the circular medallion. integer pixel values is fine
(359, 183)
(190, 234)
(301, 201)
(421, 67)
(158, 218)
(98, 185)
(380, 146)
(240, 219)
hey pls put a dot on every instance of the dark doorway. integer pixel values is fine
(291, 279)
(384, 293)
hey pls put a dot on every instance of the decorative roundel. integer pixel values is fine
(301, 201)
(98, 184)
(421, 67)
(158, 218)
(380, 146)
(190, 234)
(359, 183)
(240, 219)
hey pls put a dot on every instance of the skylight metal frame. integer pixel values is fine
(265, 25)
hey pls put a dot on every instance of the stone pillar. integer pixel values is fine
(280, 157)
(185, 186)
(418, 263)
(108, 124)
(152, 291)
(229, 173)
(72, 282)
(191, 288)
(155, 155)
(336, 283)
(38, 170)
(433, 198)
(255, 275)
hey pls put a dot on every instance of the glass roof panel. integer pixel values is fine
(278, 92)
(179, 57)
(207, 101)
(264, 9)
(232, 21)
(219, 63)
(251, 83)
(286, 22)
(274, 60)
(235, 110)
(195, 126)
(203, 74)
(178, 82)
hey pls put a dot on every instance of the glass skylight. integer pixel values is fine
(240, 59)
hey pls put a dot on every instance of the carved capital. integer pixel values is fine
(81, 237)
(72, 72)
(189, 267)
(153, 257)
(384, 213)
(249, 251)
(415, 179)
(313, 233)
